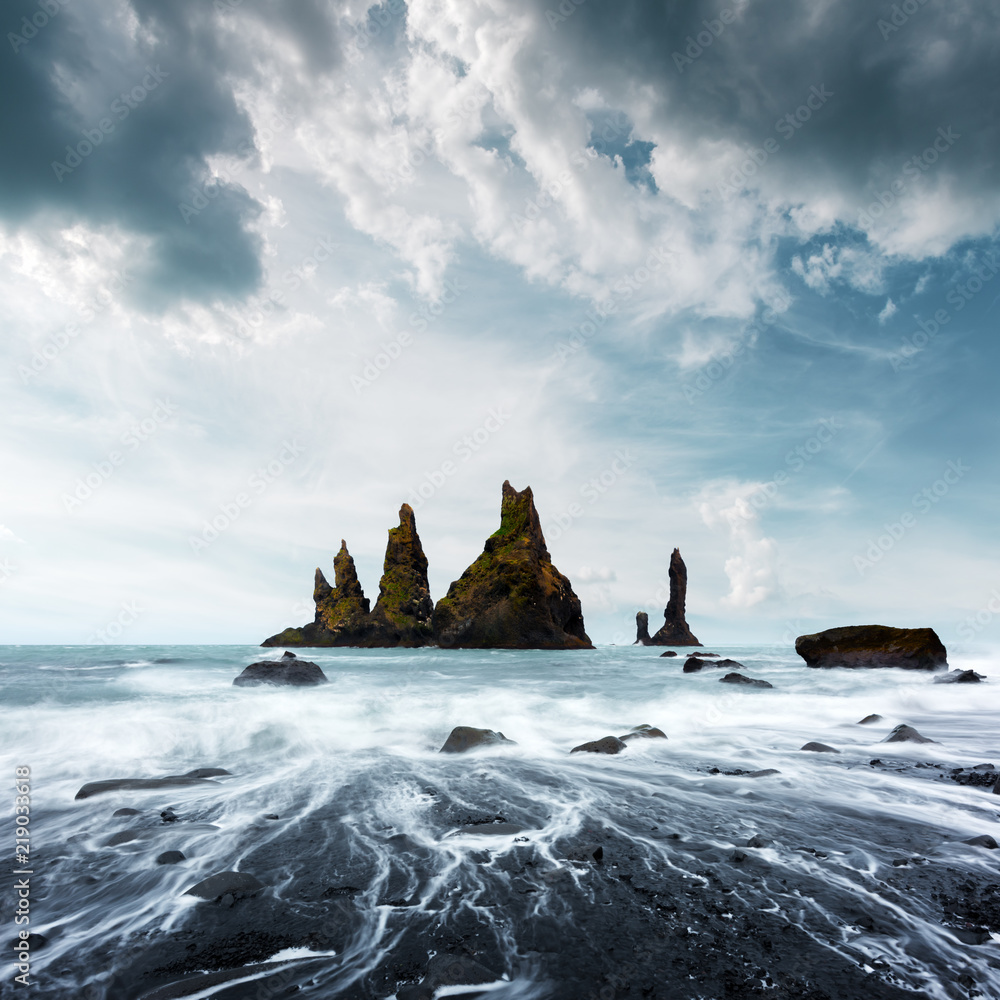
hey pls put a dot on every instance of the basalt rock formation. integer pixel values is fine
(641, 629)
(402, 613)
(512, 597)
(873, 646)
(675, 631)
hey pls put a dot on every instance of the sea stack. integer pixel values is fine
(512, 597)
(641, 629)
(404, 609)
(402, 613)
(675, 631)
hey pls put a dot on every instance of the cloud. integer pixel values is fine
(586, 574)
(888, 311)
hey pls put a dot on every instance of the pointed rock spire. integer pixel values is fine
(404, 607)
(675, 631)
(641, 629)
(512, 597)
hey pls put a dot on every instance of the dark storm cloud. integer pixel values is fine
(132, 147)
(897, 72)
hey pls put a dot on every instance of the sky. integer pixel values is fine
(716, 277)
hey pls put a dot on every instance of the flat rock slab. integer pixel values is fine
(464, 738)
(235, 884)
(873, 646)
(609, 744)
(491, 829)
(819, 747)
(960, 677)
(906, 734)
(735, 678)
(199, 776)
(289, 671)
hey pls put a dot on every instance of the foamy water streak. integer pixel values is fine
(352, 773)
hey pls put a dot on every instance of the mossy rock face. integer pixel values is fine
(873, 646)
(512, 597)
(403, 612)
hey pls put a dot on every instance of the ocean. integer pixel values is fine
(388, 869)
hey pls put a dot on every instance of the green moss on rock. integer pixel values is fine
(512, 596)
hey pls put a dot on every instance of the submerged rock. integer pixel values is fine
(675, 631)
(869, 720)
(608, 744)
(984, 840)
(199, 776)
(695, 663)
(906, 734)
(669, 652)
(645, 732)
(873, 646)
(512, 597)
(731, 664)
(735, 678)
(170, 858)
(815, 747)
(464, 738)
(642, 630)
(960, 677)
(288, 671)
(233, 884)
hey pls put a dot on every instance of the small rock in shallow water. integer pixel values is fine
(819, 748)
(984, 840)
(232, 884)
(464, 738)
(170, 858)
(644, 732)
(609, 744)
(960, 677)
(289, 671)
(869, 719)
(695, 663)
(126, 811)
(669, 652)
(906, 734)
(745, 681)
(758, 841)
(122, 837)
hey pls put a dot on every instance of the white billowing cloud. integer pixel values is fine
(856, 268)
(888, 311)
(587, 574)
(752, 566)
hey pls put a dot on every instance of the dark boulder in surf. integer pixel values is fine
(199, 776)
(289, 671)
(960, 677)
(464, 738)
(735, 678)
(815, 747)
(873, 646)
(906, 734)
(234, 884)
(608, 744)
